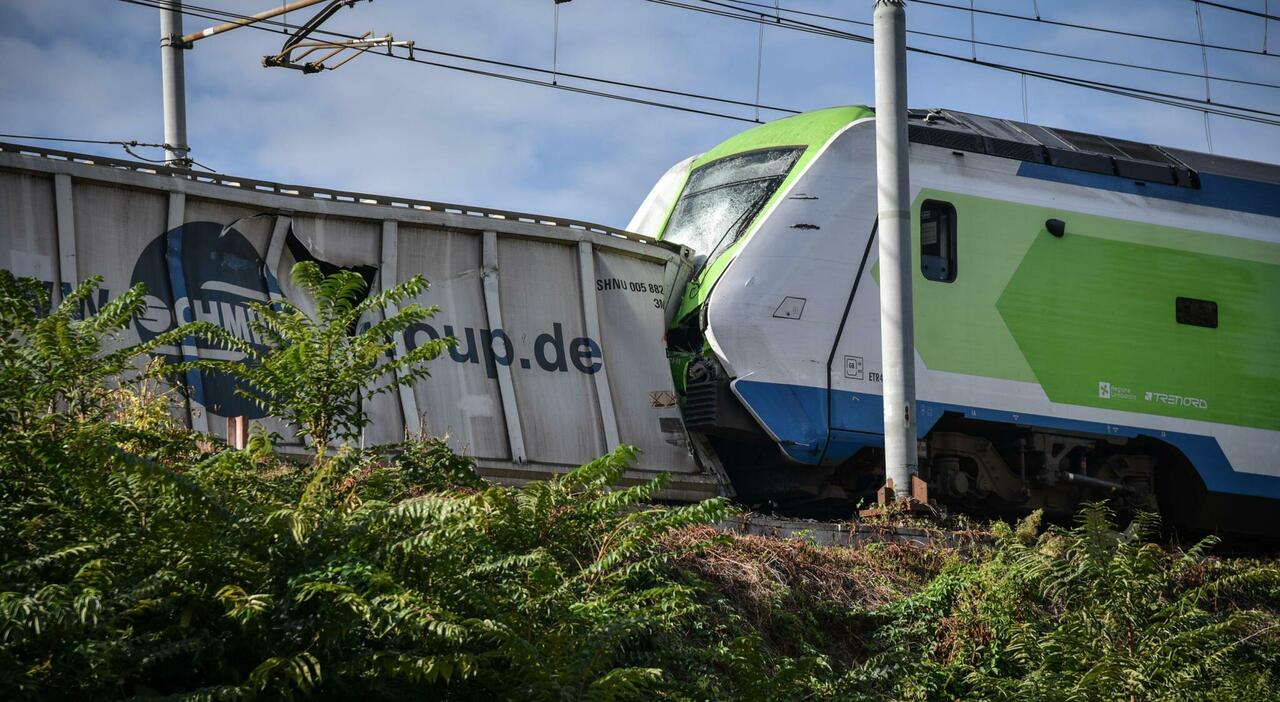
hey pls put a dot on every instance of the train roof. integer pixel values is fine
(961, 131)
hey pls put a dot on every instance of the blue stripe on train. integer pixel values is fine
(797, 416)
(1221, 192)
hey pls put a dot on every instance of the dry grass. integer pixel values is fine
(754, 570)
(789, 589)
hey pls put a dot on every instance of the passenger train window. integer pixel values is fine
(723, 198)
(938, 241)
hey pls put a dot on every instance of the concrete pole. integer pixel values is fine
(893, 194)
(174, 81)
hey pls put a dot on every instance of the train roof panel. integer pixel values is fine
(961, 131)
(808, 129)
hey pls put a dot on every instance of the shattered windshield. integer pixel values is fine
(722, 198)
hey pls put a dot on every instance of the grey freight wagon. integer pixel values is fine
(560, 323)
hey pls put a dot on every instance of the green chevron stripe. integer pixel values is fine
(1098, 306)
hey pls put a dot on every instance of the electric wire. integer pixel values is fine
(1091, 28)
(140, 157)
(113, 142)
(1244, 11)
(973, 33)
(1026, 112)
(127, 145)
(1157, 97)
(1208, 95)
(759, 65)
(1134, 92)
(1023, 49)
(1154, 96)
(217, 15)
(555, 41)
(1171, 99)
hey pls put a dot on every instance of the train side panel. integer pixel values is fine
(1091, 333)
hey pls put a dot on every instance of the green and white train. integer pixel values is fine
(1093, 316)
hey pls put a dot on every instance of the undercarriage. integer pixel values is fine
(987, 467)
(970, 466)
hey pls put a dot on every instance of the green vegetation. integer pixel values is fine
(315, 371)
(139, 561)
(1087, 614)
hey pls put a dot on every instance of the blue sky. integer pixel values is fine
(90, 68)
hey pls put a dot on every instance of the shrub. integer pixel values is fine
(429, 464)
(132, 564)
(315, 372)
(1086, 613)
(122, 577)
(139, 561)
(60, 359)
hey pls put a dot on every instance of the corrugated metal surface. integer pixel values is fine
(560, 324)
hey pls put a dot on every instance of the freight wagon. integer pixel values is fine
(560, 323)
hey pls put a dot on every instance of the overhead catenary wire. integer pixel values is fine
(1026, 111)
(973, 32)
(1240, 112)
(1208, 94)
(1157, 97)
(759, 64)
(755, 16)
(1092, 28)
(1265, 14)
(127, 144)
(215, 14)
(1135, 92)
(113, 142)
(760, 59)
(1021, 49)
(555, 41)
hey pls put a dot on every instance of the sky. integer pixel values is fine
(91, 69)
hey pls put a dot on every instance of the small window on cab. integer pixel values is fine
(938, 241)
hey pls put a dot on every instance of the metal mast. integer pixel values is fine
(175, 92)
(173, 43)
(893, 194)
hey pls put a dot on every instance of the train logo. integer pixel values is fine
(216, 273)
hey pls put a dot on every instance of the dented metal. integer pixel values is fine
(560, 324)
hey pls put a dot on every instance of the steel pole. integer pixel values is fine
(893, 195)
(177, 153)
